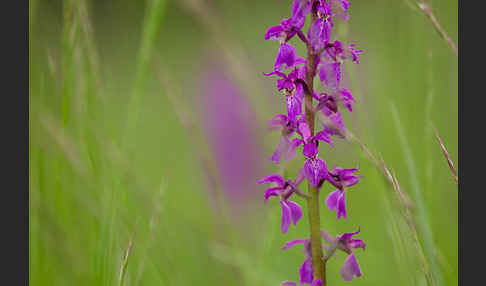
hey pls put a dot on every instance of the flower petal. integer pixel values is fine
(350, 268)
(286, 55)
(319, 33)
(323, 136)
(271, 192)
(290, 154)
(286, 217)
(277, 122)
(332, 199)
(341, 8)
(310, 149)
(296, 211)
(357, 243)
(288, 283)
(304, 130)
(294, 107)
(347, 98)
(327, 237)
(290, 244)
(300, 177)
(330, 74)
(274, 33)
(282, 147)
(274, 178)
(341, 206)
(348, 235)
(315, 170)
(317, 282)
(306, 272)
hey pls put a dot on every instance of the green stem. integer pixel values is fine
(318, 263)
(314, 222)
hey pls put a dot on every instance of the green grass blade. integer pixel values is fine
(423, 221)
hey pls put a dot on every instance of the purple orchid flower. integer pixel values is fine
(285, 147)
(337, 51)
(291, 211)
(330, 74)
(292, 26)
(287, 55)
(315, 171)
(319, 33)
(287, 29)
(341, 179)
(293, 90)
(341, 9)
(347, 243)
(306, 271)
(329, 108)
(297, 87)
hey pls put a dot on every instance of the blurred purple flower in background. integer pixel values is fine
(230, 126)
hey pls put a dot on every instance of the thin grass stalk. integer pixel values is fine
(124, 264)
(152, 22)
(423, 221)
(446, 155)
(69, 35)
(407, 203)
(425, 8)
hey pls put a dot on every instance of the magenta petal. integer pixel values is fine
(286, 217)
(271, 192)
(274, 33)
(273, 178)
(277, 122)
(296, 211)
(323, 136)
(290, 244)
(341, 206)
(300, 177)
(314, 35)
(315, 170)
(327, 237)
(341, 8)
(282, 147)
(285, 84)
(286, 55)
(304, 130)
(330, 74)
(306, 272)
(310, 149)
(307, 248)
(317, 282)
(294, 107)
(348, 235)
(319, 33)
(347, 98)
(350, 268)
(332, 199)
(290, 155)
(357, 243)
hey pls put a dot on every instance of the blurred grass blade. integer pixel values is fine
(153, 17)
(428, 13)
(446, 155)
(423, 221)
(124, 264)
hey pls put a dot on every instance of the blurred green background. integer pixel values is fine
(127, 154)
